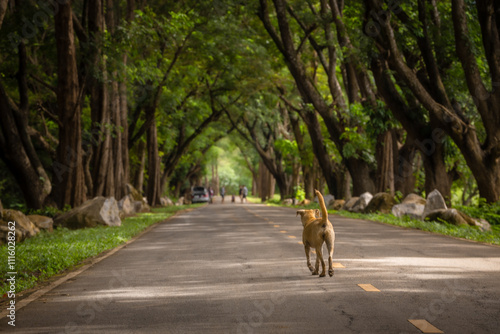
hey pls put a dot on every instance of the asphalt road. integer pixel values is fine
(236, 268)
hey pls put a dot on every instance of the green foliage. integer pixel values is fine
(464, 232)
(489, 212)
(299, 193)
(286, 147)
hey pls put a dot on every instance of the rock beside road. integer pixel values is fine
(165, 201)
(24, 228)
(337, 204)
(362, 202)
(414, 198)
(42, 222)
(97, 211)
(350, 203)
(435, 201)
(381, 202)
(412, 210)
(456, 217)
(328, 198)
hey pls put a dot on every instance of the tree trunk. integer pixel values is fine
(154, 172)
(69, 179)
(138, 179)
(25, 167)
(16, 148)
(267, 182)
(319, 149)
(404, 178)
(385, 163)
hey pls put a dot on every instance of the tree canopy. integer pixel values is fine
(347, 97)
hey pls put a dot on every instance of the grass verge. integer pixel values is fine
(47, 254)
(463, 232)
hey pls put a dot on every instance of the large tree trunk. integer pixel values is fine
(138, 179)
(16, 148)
(108, 109)
(404, 178)
(154, 171)
(385, 162)
(420, 136)
(3, 10)
(69, 179)
(319, 149)
(267, 183)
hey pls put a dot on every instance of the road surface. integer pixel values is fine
(236, 268)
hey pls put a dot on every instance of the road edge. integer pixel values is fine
(35, 293)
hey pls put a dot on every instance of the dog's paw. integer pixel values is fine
(311, 268)
(322, 275)
(315, 272)
(330, 272)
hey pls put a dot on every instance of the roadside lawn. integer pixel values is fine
(464, 232)
(47, 254)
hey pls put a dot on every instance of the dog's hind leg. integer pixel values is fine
(308, 257)
(329, 246)
(319, 257)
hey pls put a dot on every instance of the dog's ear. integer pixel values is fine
(300, 212)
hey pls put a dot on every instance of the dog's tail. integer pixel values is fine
(324, 212)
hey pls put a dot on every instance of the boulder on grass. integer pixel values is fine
(98, 211)
(288, 201)
(24, 227)
(456, 217)
(126, 205)
(435, 201)
(42, 222)
(165, 201)
(350, 203)
(337, 204)
(451, 216)
(305, 202)
(362, 202)
(412, 210)
(180, 201)
(381, 202)
(136, 195)
(328, 198)
(483, 224)
(414, 198)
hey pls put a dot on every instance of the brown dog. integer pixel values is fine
(316, 232)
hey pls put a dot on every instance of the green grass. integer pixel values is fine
(48, 254)
(464, 232)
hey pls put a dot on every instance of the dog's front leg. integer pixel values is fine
(308, 257)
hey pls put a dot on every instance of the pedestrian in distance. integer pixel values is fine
(244, 194)
(222, 193)
(241, 193)
(210, 195)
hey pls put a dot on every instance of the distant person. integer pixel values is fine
(245, 194)
(211, 194)
(241, 193)
(233, 198)
(222, 193)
